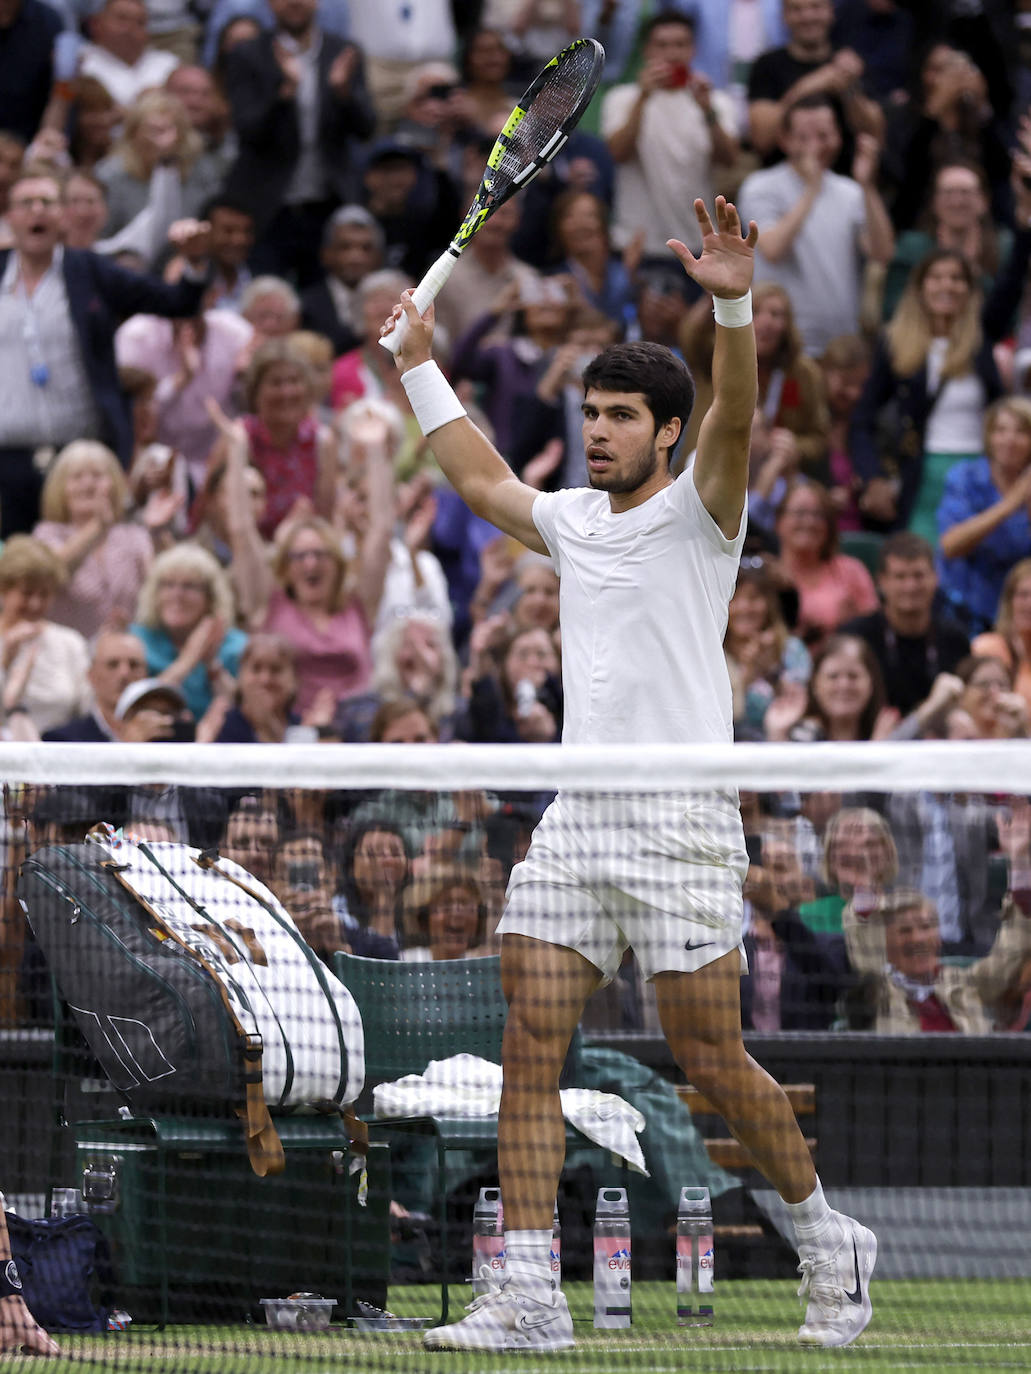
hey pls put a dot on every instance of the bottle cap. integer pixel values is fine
(695, 1200)
(611, 1201)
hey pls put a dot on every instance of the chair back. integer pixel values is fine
(415, 1012)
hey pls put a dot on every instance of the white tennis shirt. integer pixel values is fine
(643, 611)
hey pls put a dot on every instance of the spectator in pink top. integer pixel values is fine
(295, 454)
(191, 360)
(832, 587)
(105, 556)
(310, 595)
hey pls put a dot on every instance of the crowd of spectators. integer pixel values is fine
(221, 522)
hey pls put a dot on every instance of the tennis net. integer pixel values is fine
(169, 910)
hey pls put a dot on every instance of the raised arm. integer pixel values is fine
(725, 271)
(468, 460)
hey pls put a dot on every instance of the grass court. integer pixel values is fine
(949, 1326)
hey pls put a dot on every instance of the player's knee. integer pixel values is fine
(534, 1046)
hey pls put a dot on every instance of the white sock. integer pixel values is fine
(528, 1262)
(816, 1226)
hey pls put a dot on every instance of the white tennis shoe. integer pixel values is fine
(837, 1284)
(503, 1318)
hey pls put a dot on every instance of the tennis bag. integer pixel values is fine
(192, 985)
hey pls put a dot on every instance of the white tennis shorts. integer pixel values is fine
(661, 874)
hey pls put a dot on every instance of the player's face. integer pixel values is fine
(622, 448)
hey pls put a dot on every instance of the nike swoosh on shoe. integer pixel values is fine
(856, 1296)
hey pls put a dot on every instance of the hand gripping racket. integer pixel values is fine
(536, 129)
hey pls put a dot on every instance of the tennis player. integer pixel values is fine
(647, 565)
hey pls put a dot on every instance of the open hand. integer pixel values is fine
(727, 258)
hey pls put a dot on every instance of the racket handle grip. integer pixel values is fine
(422, 297)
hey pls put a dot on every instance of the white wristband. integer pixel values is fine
(432, 397)
(733, 314)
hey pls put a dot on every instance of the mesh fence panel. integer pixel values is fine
(235, 981)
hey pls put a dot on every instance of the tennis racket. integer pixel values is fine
(536, 129)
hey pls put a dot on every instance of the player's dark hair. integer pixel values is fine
(666, 16)
(651, 369)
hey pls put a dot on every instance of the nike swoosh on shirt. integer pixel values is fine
(698, 944)
(856, 1295)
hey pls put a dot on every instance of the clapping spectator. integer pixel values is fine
(934, 373)
(898, 946)
(1009, 640)
(792, 423)
(446, 916)
(193, 359)
(261, 710)
(511, 368)
(413, 663)
(157, 132)
(300, 108)
(43, 665)
(767, 663)
(808, 65)
(832, 587)
(984, 519)
(186, 622)
(375, 870)
(845, 701)
(105, 555)
(994, 708)
(949, 116)
(297, 455)
(271, 307)
(817, 228)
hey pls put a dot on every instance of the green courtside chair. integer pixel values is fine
(415, 1012)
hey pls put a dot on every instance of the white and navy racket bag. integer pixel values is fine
(192, 984)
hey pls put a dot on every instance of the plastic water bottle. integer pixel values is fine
(488, 1238)
(556, 1251)
(612, 1259)
(695, 1271)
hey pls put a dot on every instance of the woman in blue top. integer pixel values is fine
(984, 519)
(185, 620)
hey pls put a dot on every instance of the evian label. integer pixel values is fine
(611, 1281)
(706, 1264)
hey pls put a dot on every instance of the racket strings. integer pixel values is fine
(551, 108)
